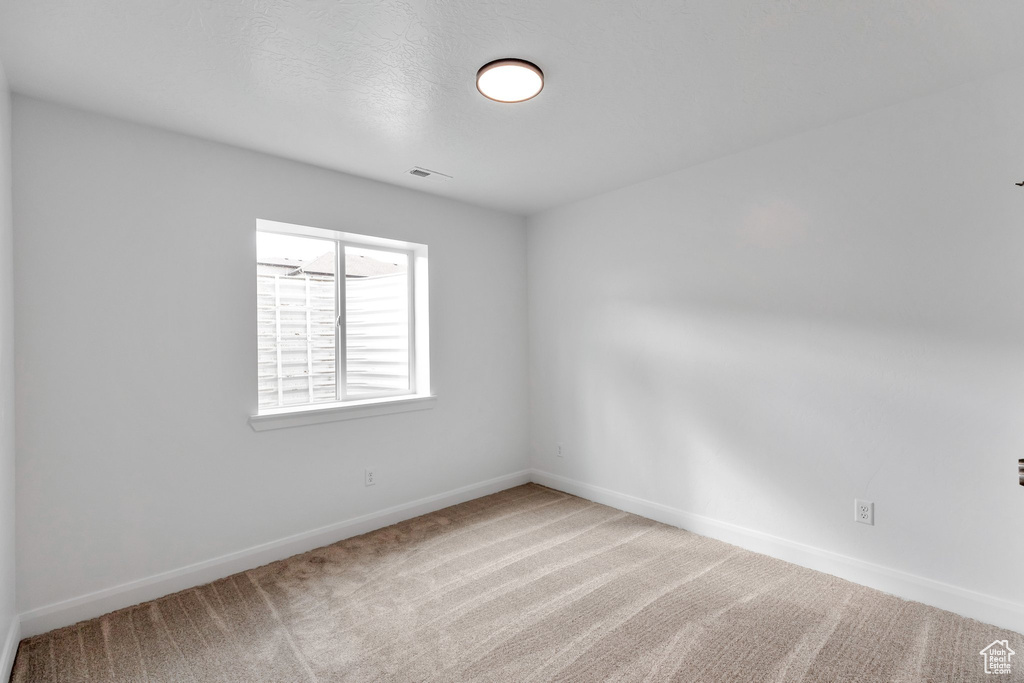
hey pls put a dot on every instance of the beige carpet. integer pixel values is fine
(526, 585)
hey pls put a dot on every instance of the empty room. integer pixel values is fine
(476, 340)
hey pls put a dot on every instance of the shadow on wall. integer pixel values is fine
(778, 424)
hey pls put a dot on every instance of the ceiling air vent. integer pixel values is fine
(427, 174)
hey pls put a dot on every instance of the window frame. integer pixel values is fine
(381, 402)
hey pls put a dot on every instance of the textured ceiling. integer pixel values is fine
(634, 89)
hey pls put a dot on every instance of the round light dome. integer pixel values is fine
(509, 80)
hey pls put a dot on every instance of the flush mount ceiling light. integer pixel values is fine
(509, 80)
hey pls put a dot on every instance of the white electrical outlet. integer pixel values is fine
(370, 480)
(864, 512)
(560, 454)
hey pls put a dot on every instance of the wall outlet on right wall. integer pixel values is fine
(864, 511)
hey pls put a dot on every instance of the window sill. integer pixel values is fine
(332, 412)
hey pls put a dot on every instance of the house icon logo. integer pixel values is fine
(997, 657)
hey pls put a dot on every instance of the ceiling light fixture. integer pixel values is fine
(509, 80)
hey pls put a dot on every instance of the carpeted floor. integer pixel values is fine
(526, 585)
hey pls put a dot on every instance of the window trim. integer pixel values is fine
(317, 413)
(418, 396)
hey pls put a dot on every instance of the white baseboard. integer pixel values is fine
(967, 603)
(10, 649)
(92, 605)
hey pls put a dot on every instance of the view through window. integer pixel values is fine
(334, 320)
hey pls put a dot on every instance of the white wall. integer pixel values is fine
(136, 326)
(763, 338)
(7, 534)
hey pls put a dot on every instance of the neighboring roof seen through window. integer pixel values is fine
(356, 265)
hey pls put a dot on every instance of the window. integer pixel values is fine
(341, 319)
